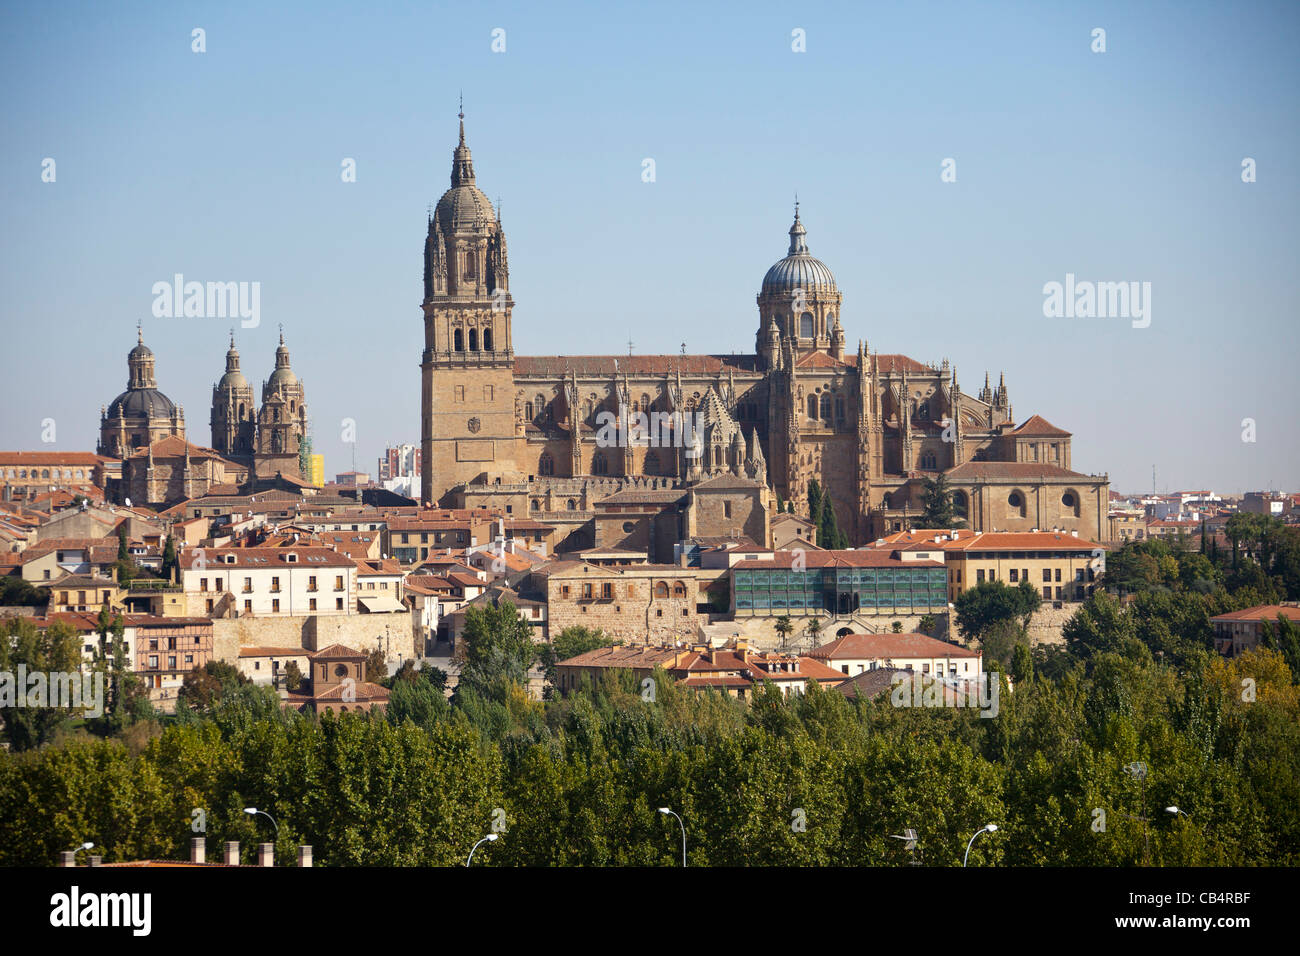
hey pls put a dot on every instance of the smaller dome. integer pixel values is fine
(462, 206)
(141, 350)
(142, 403)
(798, 270)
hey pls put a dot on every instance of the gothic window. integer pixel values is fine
(473, 340)
(839, 408)
(645, 402)
(812, 406)
(528, 411)
(806, 326)
(959, 505)
(927, 461)
(487, 340)
(458, 341)
(572, 505)
(546, 464)
(923, 412)
(293, 406)
(539, 403)
(241, 409)
(717, 457)
(599, 466)
(536, 505)
(826, 407)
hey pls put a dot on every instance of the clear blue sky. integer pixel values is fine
(226, 166)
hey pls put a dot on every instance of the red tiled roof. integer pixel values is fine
(1038, 426)
(1263, 612)
(869, 646)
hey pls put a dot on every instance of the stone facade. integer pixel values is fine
(868, 427)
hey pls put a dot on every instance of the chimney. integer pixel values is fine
(67, 858)
(198, 850)
(96, 861)
(304, 855)
(232, 853)
(266, 854)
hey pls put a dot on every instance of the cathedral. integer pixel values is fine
(557, 434)
(145, 430)
(265, 440)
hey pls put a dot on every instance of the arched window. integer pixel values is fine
(839, 408)
(806, 326)
(473, 340)
(826, 407)
(661, 590)
(487, 340)
(241, 410)
(536, 505)
(679, 589)
(960, 507)
(546, 464)
(927, 461)
(599, 466)
(645, 402)
(539, 403)
(458, 340)
(812, 406)
(528, 411)
(572, 505)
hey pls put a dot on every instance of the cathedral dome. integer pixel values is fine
(798, 270)
(464, 205)
(234, 379)
(142, 403)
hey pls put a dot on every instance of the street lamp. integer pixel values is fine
(253, 811)
(84, 846)
(988, 828)
(666, 811)
(490, 838)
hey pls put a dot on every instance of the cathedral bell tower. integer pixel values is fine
(467, 368)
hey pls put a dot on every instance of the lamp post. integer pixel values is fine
(490, 838)
(987, 828)
(667, 812)
(84, 846)
(253, 811)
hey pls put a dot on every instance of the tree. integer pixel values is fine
(376, 666)
(54, 650)
(993, 602)
(815, 503)
(292, 676)
(15, 592)
(204, 688)
(783, 627)
(169, 559)
(814, 628)
(896, 627)
(927, 624)
(828, 532)
(498, 650)
(125, 566)
(936, 504)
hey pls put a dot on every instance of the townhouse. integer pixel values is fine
(268, 581)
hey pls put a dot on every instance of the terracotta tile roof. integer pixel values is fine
(1013, 470)
(1263, 612)
(869, 684)
(360, 691)
(51, 458)
(876, 646)
(623, 657)
(974, 541)
(1037, 426)
(659, 366)
(340, 652)
(874, 558)
(265, 558)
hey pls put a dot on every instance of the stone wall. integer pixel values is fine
(363, 632)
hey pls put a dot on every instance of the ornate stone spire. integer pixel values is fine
(462, 166)
(798, 245)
